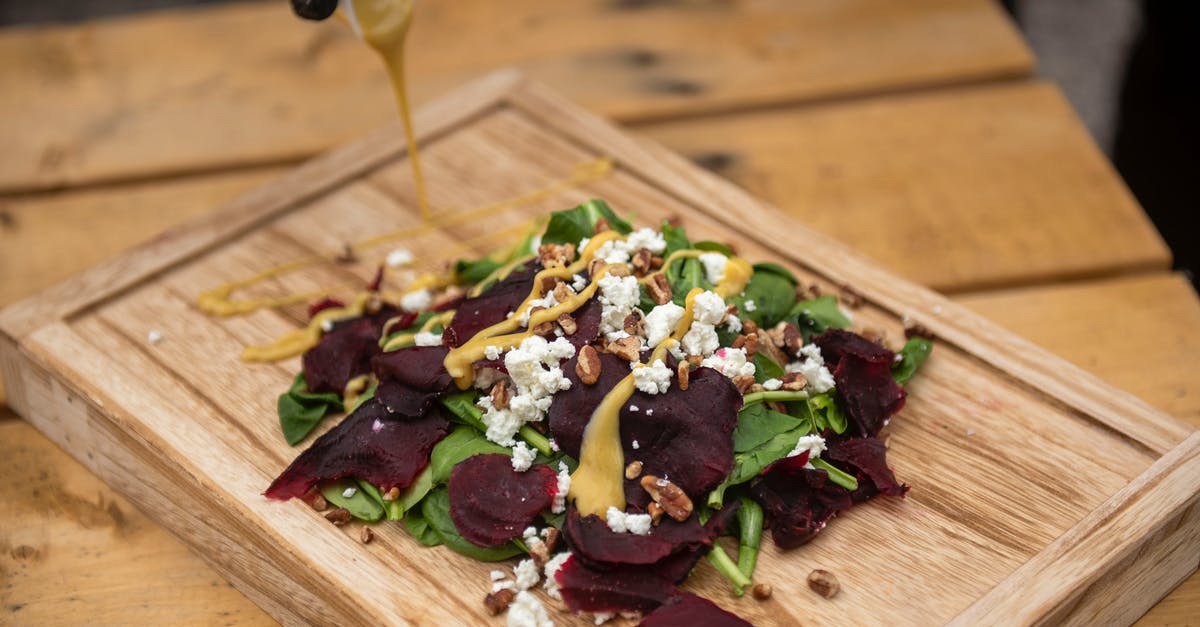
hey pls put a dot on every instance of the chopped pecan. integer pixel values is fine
(538, 551)
(743, 382)
(556, 255)
(656, 512)
(549, 283)
(751, 344)
(366, 535)
(761, 591)
(594, 266)
(498, 601)
(794, 381)
(757, 387)
(339, 516)
(656, 262)
(641, 261)
(619, 270)
(682, 375)
(748, 327)
(695, 360)
(588, 365)
(633, 323)
(562, 291)
(824, 583)
(602, 225)
(674, 501)
(543, 329)
(914, 329)
(551, 540)
(567, 323)
(792, 339)
(738, 341)
(659, 289)
(627, 348)
(315, 500)
(633, 470)
(850, 296)
(501, 394)
(392, 495)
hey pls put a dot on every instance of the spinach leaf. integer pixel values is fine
(691, 276)
(756, 425)
(420, 529)
(572, 225)
(916, 350)
(360, 504)
(713, 247)
(393, 510)
(826, 413)
(462, 405)
(776, 269)
(367, 395)
(773, 297)
(435, 508)
(300, 410)
(676, 238)
(816, 315)
(749, 464)
(470, 272)
(766, 368)
(417, 490)
(462, 443)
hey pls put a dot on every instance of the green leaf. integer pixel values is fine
(462, 443)
(393, 510)
(676, 238)
(826, 413)
(473, 271)
(916, 350)
(756, 425)
(691, 276)
(713, 247)
(836, 475)
(420, 529)
(749, 464)
(750, 527)
(774, 297)
(778, 270)
(417, 490)
(300, 411)
(367, 395)
(360, 505)
(816, 315)
(572, 225)
(435, 508)
(462, 405)
(766, 368)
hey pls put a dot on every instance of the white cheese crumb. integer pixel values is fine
(536, 375)
(527, 575)
(749, 305)
(621, 251)
(661, 321)
(554, 445)
(154, 337)
(814, 444)
(550, 570)
(583, 243)
(547, 301)
(603, 617)
(491, 352)
(522, 457)
(813, 368)
(701, 340)
(527, 611)
(564, 485)
(326, 325)
(416, 301)
(714, 266)
(578, 283)
(399, 257)
(709, 308)
(503, 585)
(734, 324)
(349, 492)
(649, 412)
(426, 338)
(633, 408)
(772, 384)
(376, 426)
(618, 297)
(653, 379)
(730, 362)
(635, 444)
(620, 522)
(497, 575)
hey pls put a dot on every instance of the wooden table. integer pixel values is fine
(912, 131)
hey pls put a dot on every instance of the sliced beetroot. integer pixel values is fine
(490, 503)
(587, 323)
(371, 444)
(623, 589)
(798, 501)
(862, 371)
(404, 400)
(323, 304)
(493, 305)
(341, 355)
(572, 408)
(693, 611)
(419, 367)
(866, 459)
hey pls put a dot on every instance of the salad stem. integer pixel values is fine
(750, 522)
(776, 395)
(837, 476)
(537, 440)
(724, 565)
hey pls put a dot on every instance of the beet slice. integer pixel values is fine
(340, 355)
(371, 444)
(323, 304)
(490, 503)
(419, 367)
(798, 501)
(493, 305)
(622, 589)
(862, 371)
(572, 408)
(866, 459)
(587, 324)
(693, 611)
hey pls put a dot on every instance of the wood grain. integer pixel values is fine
(232, 86)
(957, 189)
(974, 400)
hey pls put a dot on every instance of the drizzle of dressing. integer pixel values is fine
(295, 342)
(405, 339)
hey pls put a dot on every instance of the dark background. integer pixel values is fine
(1131, 69)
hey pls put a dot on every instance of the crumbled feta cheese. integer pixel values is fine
(554, 445)
(527, 611)
(709, 308)
(416, 301)
(714, 266)
(399, 257)
(551, 569)
(349, 493)
(376, 426)
(563, 486)
(536, 375)
(497, 575)
(621, 251)
(621, 522)
(661, 321)
(522, 457)
(813, 444)
(527, 575)
(154, 337)
(653, 379)
(503, 585)
(701, 340)
(730, 362)
(578, 283)
(618, 297)
(733, 323)
(649, 412)
(635, 444)
(813, 368)
(772, 384)
(583, 243)
(749, 305)
(426, 338)
(633, 408)
(546, 301)
(491, 352)
(603, 617)
(326, 325)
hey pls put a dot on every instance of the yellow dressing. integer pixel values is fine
(296, 342)
(734, 279)
(405, 339)
(354, 390)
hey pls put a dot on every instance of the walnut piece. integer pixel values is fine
(762, 591)
(498, 601)
(627, 348)
(500, 394)
(656, 512)
(683, 374)
(633, 470)
(588, 365)
(339, 516)
(567, 323)
(743, 382)
(659, 289)
(366, 535)
(674, 501)
(824, 583)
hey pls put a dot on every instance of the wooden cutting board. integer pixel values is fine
(1039, 494)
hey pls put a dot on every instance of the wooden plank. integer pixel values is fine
(957, 189)
(147, 573)
(234, 85)
(73, 359)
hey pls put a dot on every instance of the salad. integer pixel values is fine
(598, 404)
